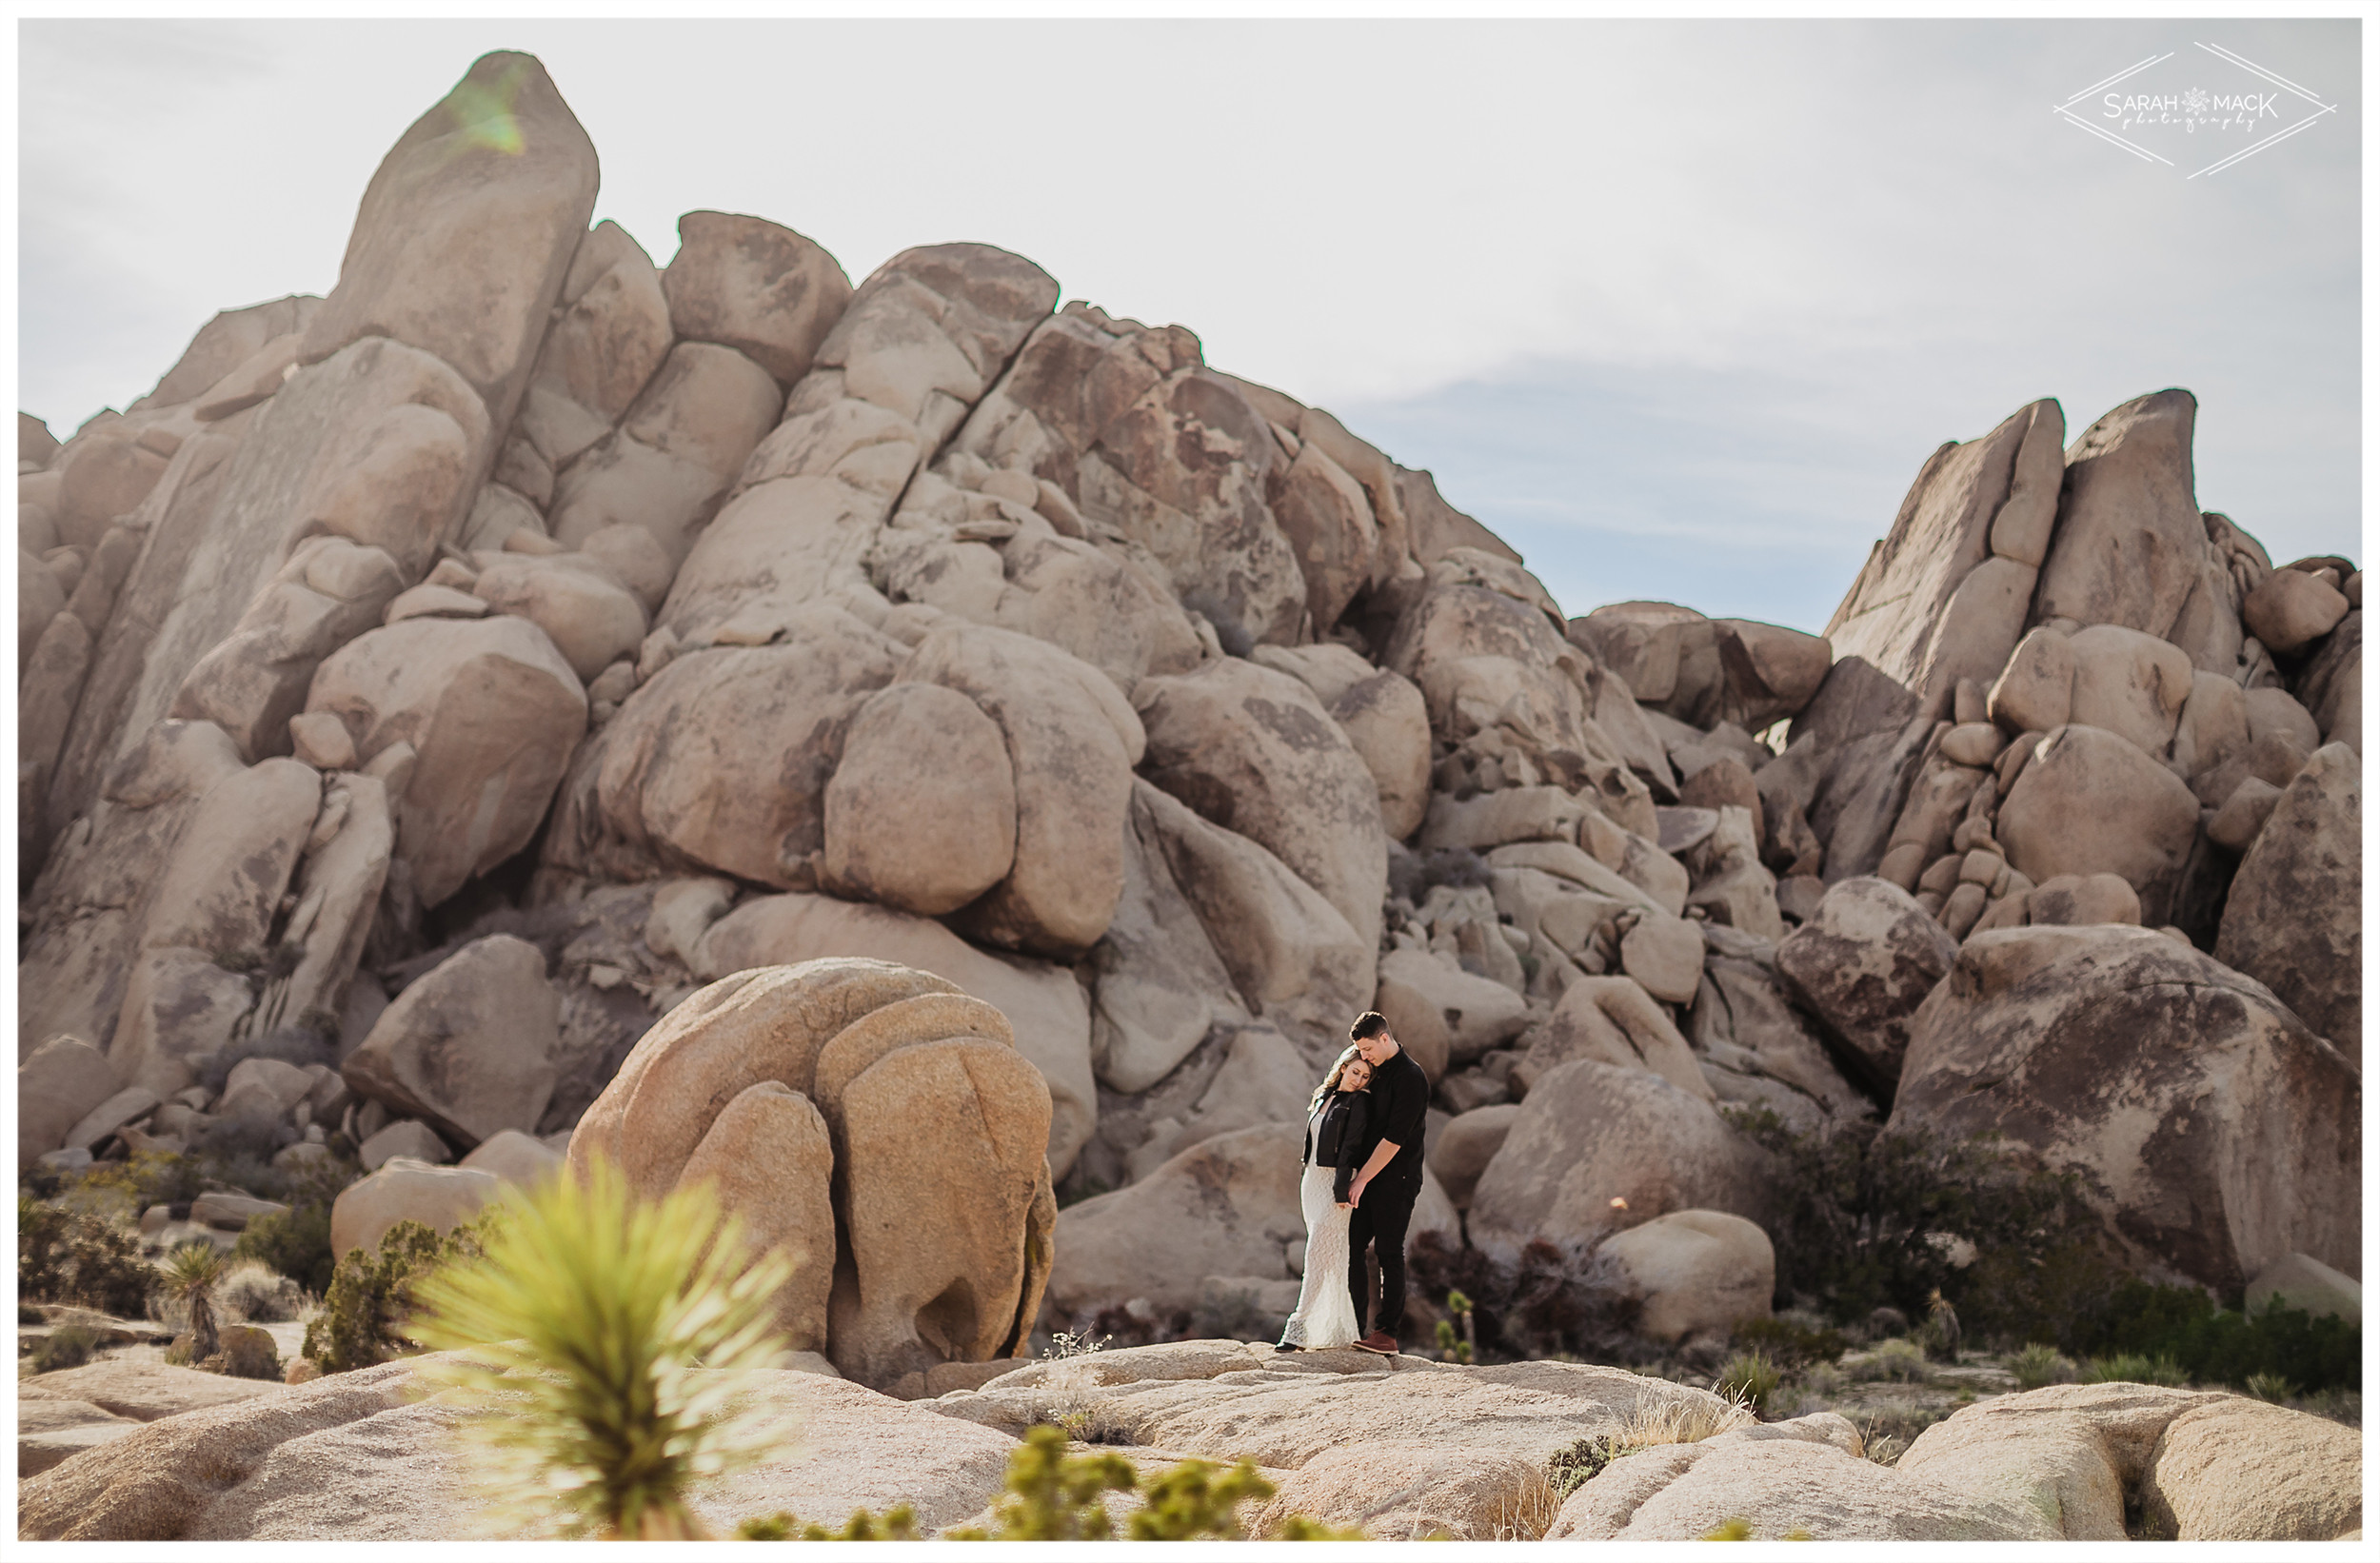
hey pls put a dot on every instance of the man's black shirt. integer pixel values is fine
(1400, 1095)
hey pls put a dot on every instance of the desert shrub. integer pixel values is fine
(582, 1323)
(254, 1293)
(2271, 1386)
(899, 1523)
(1648, 1425)
(365, 1313)
(151, 1178)
(2038, 1366)
(65, 1256)
(2133, 1368)
(2218, 1345)
(1872, 1218)
(1053, 1496)
(1548, 1303)
(1791, 1339)
(1751, 1377)
(1893, 1361)
(298, 1244)
(69, 1346)
(1887, 1433)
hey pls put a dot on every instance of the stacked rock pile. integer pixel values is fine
(454, 674)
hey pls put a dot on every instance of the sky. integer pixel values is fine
(1677, 309)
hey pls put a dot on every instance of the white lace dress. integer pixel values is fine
(1326, 1313)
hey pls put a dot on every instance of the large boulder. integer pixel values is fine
(1614, 1020)
(664, 784)
(2132, 546)
(2293, 920)
(1462, 1149)
(1043, 1004)
(469, 1047)
(922, 811)
(2299, 1280)
(1757, 1048)
(1803, 1477)
(402, 1188)
(1695, 1272)
(57, 1085)
(2332, 683)
(747, 284)
(938, 1132)
(1131, 425)
(1478, 1013)
(592, 620)
(1861, 965)
(1072, 742)
(677, 450)
(2200, 1466)
(1944, 596)
(254, 679)
(1590, 1133)
(2088, 802)
(1293, 959)
(467, 231)
(1254, 751)
(1159, 982)
(492, 713)
(2213, 1132)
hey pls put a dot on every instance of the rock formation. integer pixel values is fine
(859, 738)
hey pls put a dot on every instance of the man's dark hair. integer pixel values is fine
(1370, 1023)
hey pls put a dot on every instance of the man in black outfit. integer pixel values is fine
(1390, 1178)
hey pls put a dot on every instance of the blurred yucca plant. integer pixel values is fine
(608, 1341)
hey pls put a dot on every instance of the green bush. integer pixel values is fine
(1791, 1343)
(252, 1292)
(2132, 1368)
(2215, 1345)
(1893, 1361)
(151, 1178)
(69, 1346)
(899, 1523)
(1869, 1219)
(2038, 1366)
(363, 1317)
(2271, 1386)
(1749, 1377)
(68, 1256)
(1053, 1496)
(298, 1244)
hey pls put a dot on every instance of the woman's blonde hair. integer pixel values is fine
(1330, 1081)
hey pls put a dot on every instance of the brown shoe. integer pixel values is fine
(1379, 1341)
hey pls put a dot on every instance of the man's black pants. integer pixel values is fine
(1381, 1220)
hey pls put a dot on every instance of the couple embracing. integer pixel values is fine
(1362, 1174)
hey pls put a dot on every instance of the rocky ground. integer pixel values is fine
(1404, 1448)
(840, 741)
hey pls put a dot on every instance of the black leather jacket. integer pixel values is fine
(1340, 1130)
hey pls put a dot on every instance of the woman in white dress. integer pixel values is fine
(1336, 1119)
